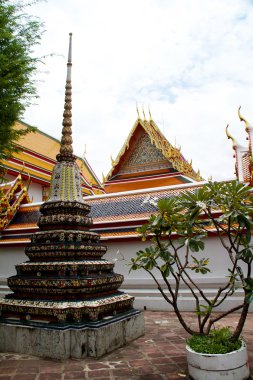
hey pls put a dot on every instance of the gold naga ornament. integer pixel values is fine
(243, 156)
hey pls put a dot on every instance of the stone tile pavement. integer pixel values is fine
(160, 354)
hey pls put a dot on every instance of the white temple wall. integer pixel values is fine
(9, 257)
(35, 192)
(139, 283)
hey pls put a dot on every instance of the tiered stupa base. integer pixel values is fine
(45, 311)
(63, 341)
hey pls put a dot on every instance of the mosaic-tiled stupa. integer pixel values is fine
(66, 281)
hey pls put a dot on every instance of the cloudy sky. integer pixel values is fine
(190, 61)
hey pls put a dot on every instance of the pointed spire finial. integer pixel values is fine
(66, 149)
(112, 161)
(138, 111)
(69, 64)
(150, 116)
(143, 113)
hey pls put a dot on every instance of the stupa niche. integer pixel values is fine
(66, 284)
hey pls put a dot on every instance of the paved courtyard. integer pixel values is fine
(160, 354)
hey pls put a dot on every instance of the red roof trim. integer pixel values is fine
(31, 166)
(139, 179)
(38, 155)
(26, 176)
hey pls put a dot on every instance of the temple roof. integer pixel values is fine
(115, 216)
(147, 159)
(37, 157)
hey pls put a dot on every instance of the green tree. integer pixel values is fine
(177, 232)
(19, 34)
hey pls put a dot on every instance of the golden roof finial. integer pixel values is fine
(66, 149)
(198, 175)
(103, 178)
(150, 116)
(144, 113)
(138, 111)
(112, 161)
(190, 162)
(230, 137)
(243, 119)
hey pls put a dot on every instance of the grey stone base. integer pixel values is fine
(70, 343)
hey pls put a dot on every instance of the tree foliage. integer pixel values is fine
(19, 34)
(178, 232)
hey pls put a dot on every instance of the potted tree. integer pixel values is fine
(176, 256)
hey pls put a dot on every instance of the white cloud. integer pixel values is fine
(191, 61)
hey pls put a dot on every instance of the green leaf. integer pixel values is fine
(244, 222)
(19, 34)
(165, 269)
(166, 204)
(249, 298)
(249, 283)
(245, 255)
(196, 245)
(199, 265)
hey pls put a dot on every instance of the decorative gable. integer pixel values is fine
(146, 160)
(145, 157)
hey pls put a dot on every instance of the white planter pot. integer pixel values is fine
(231, 366)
